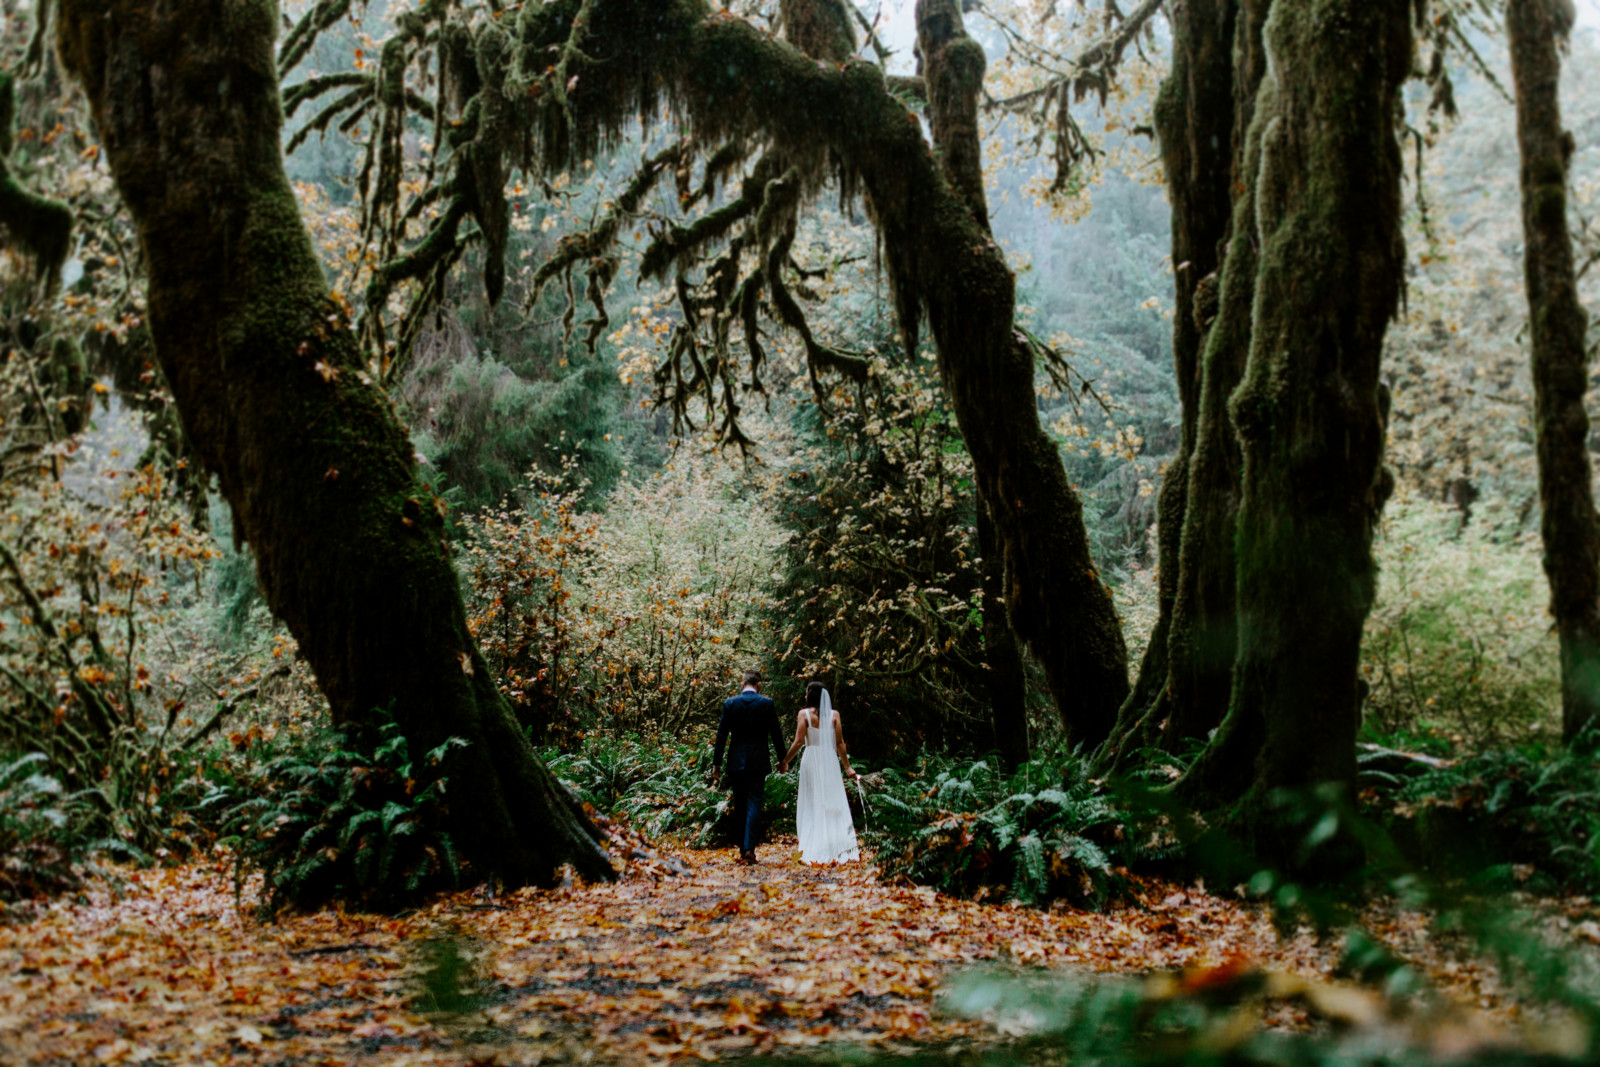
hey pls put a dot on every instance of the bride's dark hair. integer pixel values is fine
(814, 692)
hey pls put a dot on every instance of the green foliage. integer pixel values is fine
(346, 815)
(881, 594)
(658, 788)
(1459, 641)
(41, 839)
(484, 425)
(1508, 815)
(1046, 832)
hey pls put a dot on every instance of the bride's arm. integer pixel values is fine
(799, 743)
(838, 738)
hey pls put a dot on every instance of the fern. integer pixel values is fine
(40, 843)
(326, 820)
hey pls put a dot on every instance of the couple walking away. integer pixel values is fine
(822, 814)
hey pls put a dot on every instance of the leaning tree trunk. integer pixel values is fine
(1194, 119)
(1056, 599)
(1557, 322)
(952, 62)
(1309, 413)
(276, 400)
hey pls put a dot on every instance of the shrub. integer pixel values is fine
(660, 789)
(635, 620)
(663, 789)
(1040, 834)
(1508, 813)
(342, 814)
(40, 839)
(881, 593)
(1459, 640)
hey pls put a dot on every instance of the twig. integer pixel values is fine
(228, 708)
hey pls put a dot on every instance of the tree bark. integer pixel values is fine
(1194, 118)
(1055, 597)
(1310, 412)
(1006, 679)
(1205, 620)
(275, 399)
(951, 63)
(1557, 322)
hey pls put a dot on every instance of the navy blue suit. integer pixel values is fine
(749, 724)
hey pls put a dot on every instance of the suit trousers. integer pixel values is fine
(748, 789)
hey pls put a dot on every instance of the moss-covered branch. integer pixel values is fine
(297, 43)
(730, 81)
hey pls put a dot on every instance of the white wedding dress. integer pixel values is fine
(822, 812)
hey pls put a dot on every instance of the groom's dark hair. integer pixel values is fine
(751, 677)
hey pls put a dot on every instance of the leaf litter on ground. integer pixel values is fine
(160, 965)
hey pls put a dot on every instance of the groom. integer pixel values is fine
(750, 720)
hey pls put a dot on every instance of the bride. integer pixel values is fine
(822, 814)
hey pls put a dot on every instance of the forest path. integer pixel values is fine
(720, 961)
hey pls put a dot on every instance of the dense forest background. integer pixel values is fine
(626, 546)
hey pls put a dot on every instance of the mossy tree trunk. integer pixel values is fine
(1203, 644)
(1055, 598)
(277, 403)
(1194, 118)
(952, 65)
(1560, 373)
(1310, 412)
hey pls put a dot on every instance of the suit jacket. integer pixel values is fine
(749, 723)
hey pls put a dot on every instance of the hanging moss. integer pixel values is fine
(275, 398)
(821, 29)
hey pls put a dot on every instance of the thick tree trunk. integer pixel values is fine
(1056, 599)
(1205, 620)
(1310, 413)
(1557, 322)
(276, 402)
(1194, 117)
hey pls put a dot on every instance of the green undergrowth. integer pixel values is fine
(1511, 817)
(1045, 832)
(960, 825)
(345, 815)
(42, 838)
